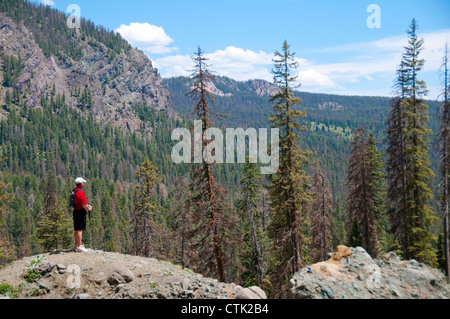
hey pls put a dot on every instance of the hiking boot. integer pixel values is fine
(81, 249)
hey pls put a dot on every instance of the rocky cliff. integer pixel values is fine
(355, 275)
(114, 81)
(104, 275)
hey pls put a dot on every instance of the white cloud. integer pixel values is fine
(363, 68)
(364, 65)
(48, 2)
(380, 59)
(242, 64)
(147, 37)
(236, 63)
(313, 79)
(174, 65)
(434, 49)
(381, 56)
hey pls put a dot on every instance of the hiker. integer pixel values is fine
(80, 209)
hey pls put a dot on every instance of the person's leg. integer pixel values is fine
(78, 236)
(79, 221)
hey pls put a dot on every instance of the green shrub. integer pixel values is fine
(32, 275)
(10, 291)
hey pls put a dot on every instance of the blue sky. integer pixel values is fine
(337, 51)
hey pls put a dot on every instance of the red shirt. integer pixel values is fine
(79, 199)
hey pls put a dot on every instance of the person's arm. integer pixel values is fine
(84, 202)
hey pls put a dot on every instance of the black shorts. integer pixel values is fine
(79, 219)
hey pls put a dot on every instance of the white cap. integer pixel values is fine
(80, 180)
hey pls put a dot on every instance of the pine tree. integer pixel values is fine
(289, 187)
(420, 216)
(8, 98)
(181, 220)
(53, 228)
(96, 229)
(215, 235)
(354, 236)
(321, 216)
(408, 165)
(362, 182)
(444, 139)
(146, 231)
(5, 198)
(377, 184)
(110, 234)
(440, 252)
(396, 173)
(251, 218)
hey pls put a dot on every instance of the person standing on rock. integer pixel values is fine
(80, 209)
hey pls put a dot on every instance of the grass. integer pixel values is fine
(32, 275)
(69, 291)
(175, 266)
(167, 272)
(37, 292)
(11, 291)
(337, 130)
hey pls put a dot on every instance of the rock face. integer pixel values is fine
(358, 276)
(332, 106)
(114, 80)
(104, 275)
(263, 88)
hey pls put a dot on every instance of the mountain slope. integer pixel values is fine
(330, 119)
(108, 82)
(247, 103)
(76, 103)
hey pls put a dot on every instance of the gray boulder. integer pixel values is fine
(125, 291)
(44, 267)
(186, 283)
(361, 277)
(115, 279)
(124, 272)
(391, 257)
(250, 293)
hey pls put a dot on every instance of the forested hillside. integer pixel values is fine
(97, 125)
(84, 103)
(88, 68)
(52, 35)
(331, 119)
(60, 120)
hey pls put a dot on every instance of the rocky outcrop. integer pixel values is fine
(104, 275)
(114, 80)
(263, 88)
(224, 86)
(332, 106)
(358, 276)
